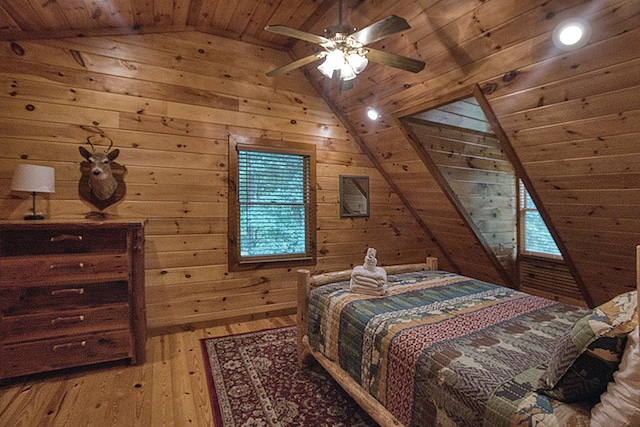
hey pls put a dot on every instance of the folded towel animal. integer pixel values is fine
(368, 278)
(367, 282)
(379, 274)
(367, 290)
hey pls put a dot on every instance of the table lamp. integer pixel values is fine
(34, 179)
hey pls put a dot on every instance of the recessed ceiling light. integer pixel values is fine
(572, 34)
(372, 114)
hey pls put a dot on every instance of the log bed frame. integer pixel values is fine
(306, 283)
(368, 403)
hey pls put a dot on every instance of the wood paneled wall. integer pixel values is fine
(169, 102)
(473, 168)
(573, 120)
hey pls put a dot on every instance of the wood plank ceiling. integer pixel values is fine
(237, 19)
(571, 117)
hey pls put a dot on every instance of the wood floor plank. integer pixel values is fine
(198, 382)
(162, 414)
(85, 390)
(183, 404)
(142, 396)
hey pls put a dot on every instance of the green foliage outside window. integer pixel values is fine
(537, 237)
(273, 196)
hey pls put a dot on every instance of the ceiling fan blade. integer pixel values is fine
(291, 32)
(381, 29)
(393, 60)
(296, 64)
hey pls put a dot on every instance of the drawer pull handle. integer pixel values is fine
(66, 237)
(69, 265)
(69, 345)
(70, 319)
(77, 291)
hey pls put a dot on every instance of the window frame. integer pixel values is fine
(236, 261)
(522, 232)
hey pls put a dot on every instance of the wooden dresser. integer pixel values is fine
(71, 293)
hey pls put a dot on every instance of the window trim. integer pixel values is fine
(236, 261)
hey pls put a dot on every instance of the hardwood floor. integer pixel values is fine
(170, 389)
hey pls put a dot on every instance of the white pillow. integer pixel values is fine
(620, 405)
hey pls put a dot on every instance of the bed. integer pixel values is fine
(448, 350)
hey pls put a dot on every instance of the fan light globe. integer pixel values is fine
(326, 69)
(335, 59)
(347, 73)
(358, 62)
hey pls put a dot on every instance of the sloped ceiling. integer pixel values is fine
(573, 118)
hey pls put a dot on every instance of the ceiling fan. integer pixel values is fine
(345, 50)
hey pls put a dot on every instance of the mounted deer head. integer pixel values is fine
(101, 181)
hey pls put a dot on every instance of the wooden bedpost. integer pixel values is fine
(302, 315)
(432, 263)
(638, 277)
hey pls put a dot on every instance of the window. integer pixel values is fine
(271, 203)
(536, 238)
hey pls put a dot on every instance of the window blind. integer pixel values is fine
(273, 200)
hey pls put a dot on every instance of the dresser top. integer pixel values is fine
(53, 223)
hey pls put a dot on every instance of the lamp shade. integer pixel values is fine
(33, 178)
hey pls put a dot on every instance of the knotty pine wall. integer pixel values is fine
(481, 179)
(169, 102)
(572, 118)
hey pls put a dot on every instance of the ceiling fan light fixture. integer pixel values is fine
(345, 45)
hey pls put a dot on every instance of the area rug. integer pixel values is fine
(254, 381)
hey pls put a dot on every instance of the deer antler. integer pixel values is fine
(89, 142)
(104, 136)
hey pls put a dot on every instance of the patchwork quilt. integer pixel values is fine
(444, 349)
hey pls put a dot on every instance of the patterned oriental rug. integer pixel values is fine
(254, 381)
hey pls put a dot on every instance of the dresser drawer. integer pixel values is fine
(55, 269)
(54, 324)
(61, 241)
(44, 355)
(16, 301)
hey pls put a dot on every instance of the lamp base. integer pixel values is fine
(31, 217)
